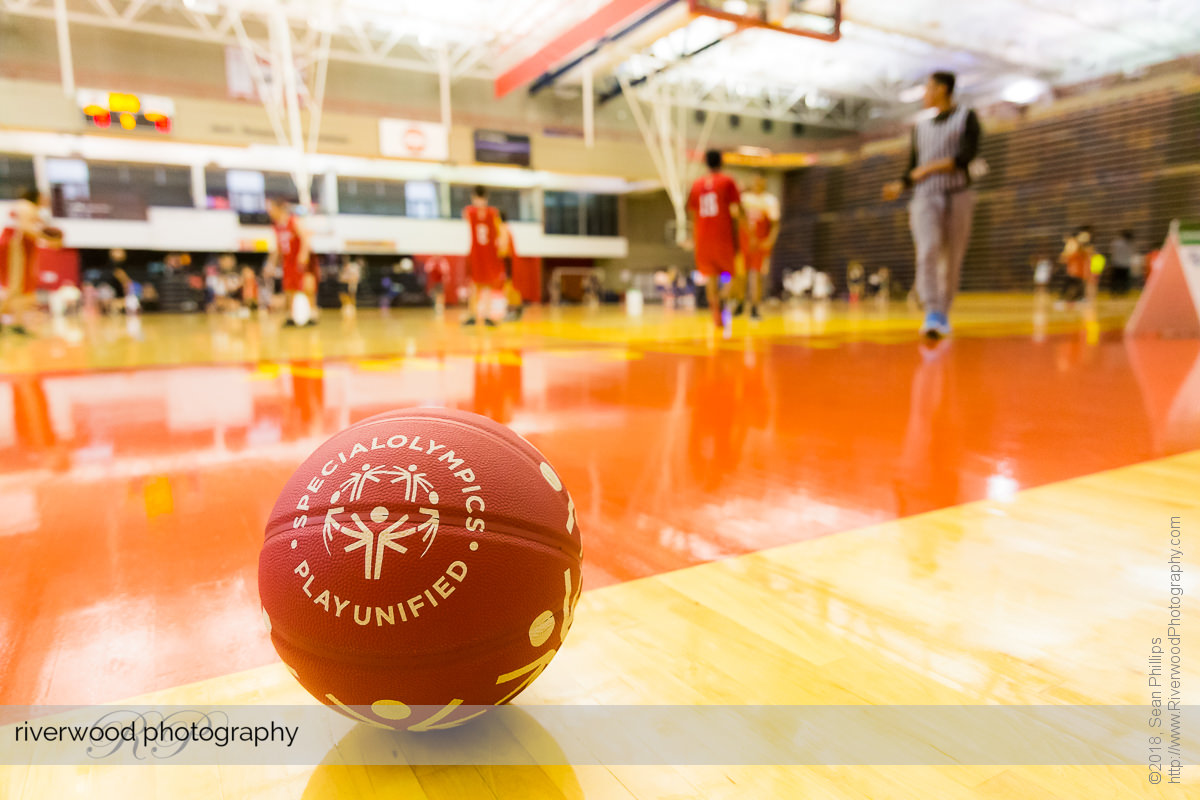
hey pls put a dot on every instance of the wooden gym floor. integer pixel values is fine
(816, 510)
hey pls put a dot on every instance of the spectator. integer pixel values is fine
(879, 285)
(249, 291)
(1077, 256)
(1137, 270)
(437, 272)
(1043, 271)
(130, 291)
(149, 298)
(1121, 256)
(855, 280)
(822, 287)
(114, 283)
(348, 278)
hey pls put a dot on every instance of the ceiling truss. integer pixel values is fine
(351, 38)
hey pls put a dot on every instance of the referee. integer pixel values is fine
(943, 203)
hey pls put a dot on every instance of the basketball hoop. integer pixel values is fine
(818, 19)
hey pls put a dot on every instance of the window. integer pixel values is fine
(421, 199)
(152, 184)
(601, 215)
(576, 213)
(365, 196)
(16, 175)
(247, 191)
(70, 188)
(68, 178)
(512, 203)
(563, 213)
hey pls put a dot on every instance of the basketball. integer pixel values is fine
(421, 557)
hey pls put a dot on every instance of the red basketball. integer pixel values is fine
(422, 557)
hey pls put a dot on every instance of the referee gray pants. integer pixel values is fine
(941, 229)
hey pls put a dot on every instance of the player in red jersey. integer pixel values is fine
(437, 270)
(713, 205)
(507, 248)
(484, 265)
(759, 232)
(293, 253)
(18, 258)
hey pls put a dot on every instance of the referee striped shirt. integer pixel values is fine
(951, 134)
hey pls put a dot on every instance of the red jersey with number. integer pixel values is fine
(709, 201)
(484, 258)
(287, 238)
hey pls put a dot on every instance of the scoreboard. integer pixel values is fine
(122, 111)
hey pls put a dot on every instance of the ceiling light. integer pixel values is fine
(1024, 91)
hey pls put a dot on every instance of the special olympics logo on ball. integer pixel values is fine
(403, 518)
(374, 543)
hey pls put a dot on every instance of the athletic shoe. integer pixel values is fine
(469, 321)
(19, 330)
(489, 323)
(738, 308)
(943, 325)
(929, 326)
(289, 323)
(754, 315)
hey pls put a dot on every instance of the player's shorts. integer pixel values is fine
(710, 264)
(486, 271)
(293, 278)
(297, 279)
(756, 258)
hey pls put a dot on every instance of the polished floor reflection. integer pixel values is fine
(680, 448)
(1047, 597)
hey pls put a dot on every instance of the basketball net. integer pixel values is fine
(662, 121)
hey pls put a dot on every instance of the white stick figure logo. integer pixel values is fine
(358, 480)
(412, 481)
(374, 543)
